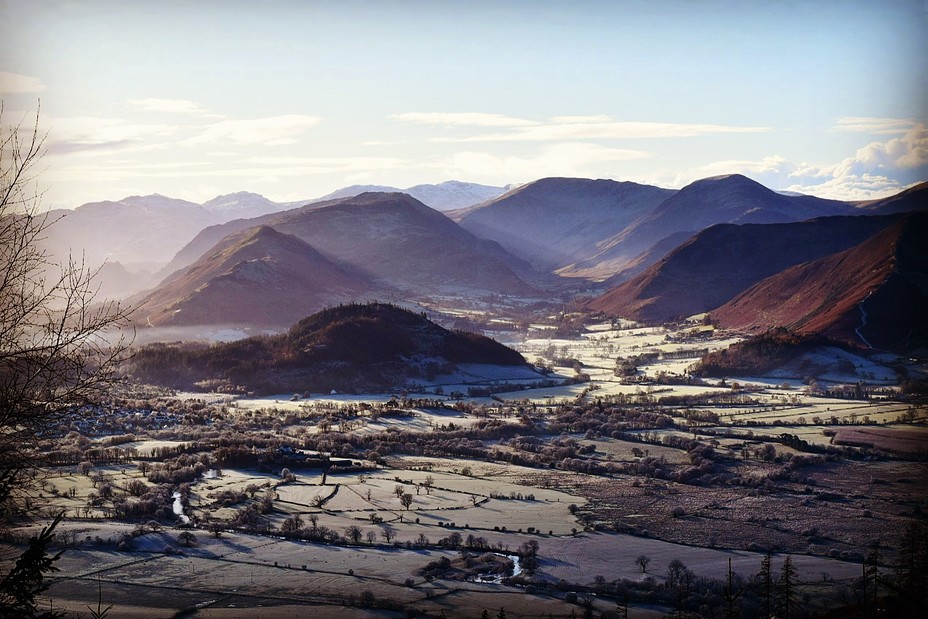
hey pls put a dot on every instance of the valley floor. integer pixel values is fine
(597, 494)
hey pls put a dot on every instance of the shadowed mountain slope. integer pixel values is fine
(875, 293)
(353, 347)
(722, 199)
(256, 277)
(553, 222)
(724, 260)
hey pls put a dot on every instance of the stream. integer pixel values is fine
(498, 579)
(178, 508)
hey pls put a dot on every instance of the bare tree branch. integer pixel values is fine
(59, 345)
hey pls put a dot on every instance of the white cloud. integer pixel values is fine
(909, 151)
(471, 119)
(851, 187)
(869, 124)
(294, 166)
(599, 130)
(173, 106)
(17, 84)
(876, 170)
(269, 131)
(251, 169)
(566, 128)
(568, 159)
(89, 133)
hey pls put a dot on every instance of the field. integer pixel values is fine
(388, 505)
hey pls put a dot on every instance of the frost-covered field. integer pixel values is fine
(597, 467)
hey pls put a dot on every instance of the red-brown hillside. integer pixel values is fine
(724, 260)
(875, 293)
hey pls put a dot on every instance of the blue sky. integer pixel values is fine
(295, 99)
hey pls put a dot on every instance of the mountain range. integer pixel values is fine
(393, 239)
(732, 199)
(554, 222)
(143, 233)
(717, 245)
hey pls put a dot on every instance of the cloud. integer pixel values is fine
(251, 168)
(469, 119)
(772, 171)
(876, 170)
(173, 106)
(17, 84)
(89, 133)
(869, 124)
(567, 128)
(568, 159)
(269, 131)
(909, 151)
(851, 187)
(906, 154)
(294, 166)
(599, 130)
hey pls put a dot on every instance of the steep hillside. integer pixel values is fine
(875, 293)
(557, 221)
(722, 199)
(353, 347)
(393, 238)
(724, 260)
(255, 277)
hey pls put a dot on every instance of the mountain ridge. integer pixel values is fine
(393, 238)
(873, 293)
(258, 276)
(723, 260)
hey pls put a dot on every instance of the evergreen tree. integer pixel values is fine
(764, 581)
(787, 586)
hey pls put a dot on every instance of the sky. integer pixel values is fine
(292, 100)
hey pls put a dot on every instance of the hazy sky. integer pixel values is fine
(295, 99)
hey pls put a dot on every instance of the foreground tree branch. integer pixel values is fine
(59, 345)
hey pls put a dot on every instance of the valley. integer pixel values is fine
(570, 398)
(463, 310)
(396, 503)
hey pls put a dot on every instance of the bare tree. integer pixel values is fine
(353, 533)
(406, 500)
(187, 538)
(57, 351)
(56, 347)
